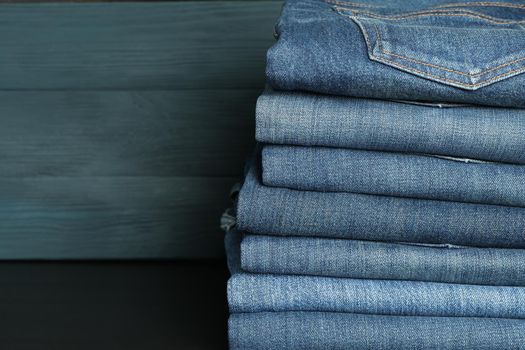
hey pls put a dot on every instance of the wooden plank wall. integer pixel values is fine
(123, 125)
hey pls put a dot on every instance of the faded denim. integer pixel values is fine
(269, 292)
(426, 50)
(293, 118)
(393, 174)
(266, 292)
(281, 211)
(378, 260)
(338, 331)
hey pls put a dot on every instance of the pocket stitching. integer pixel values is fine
(483, 72)
(431, 13)
(483, 4)
(413, 70)
(346, 3)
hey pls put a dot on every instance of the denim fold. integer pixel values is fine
(338, 331)
(393, 174)
(378, 260)
(276, 293)
(303, 119)
(286, 212)
(249, 292)
(428, 50)
(384, 205)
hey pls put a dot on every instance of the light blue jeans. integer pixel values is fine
(393, 174)
(377, 260)
(426, 50)
(281, 211)
(302, 119)
(342, 331)
(265, 292)
(249, 292)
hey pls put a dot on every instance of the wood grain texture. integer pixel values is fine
(161, 45)
(126, 133)
(123, 125)
(112, 217)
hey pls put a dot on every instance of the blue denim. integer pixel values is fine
(428, 50)
(293, 118)
(249, 292)
(266, 292)
(232, 245)
(377, 260)
(339, 331)
(393, 174)
(281, 211)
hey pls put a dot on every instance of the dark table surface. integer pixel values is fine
(113, 305)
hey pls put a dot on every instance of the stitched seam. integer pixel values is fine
(413, 70)
(437, 76)
(483, 72)
(466, 4)
(488, 70)
(344, 3)
(451, 80)
(452, 70)
(438, 13)
(488, 19)
(484, 4)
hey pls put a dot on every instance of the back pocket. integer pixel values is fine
(463, 45)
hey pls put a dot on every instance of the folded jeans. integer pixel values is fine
(393, 174)
(249, 292)
(295, 118)
(338, 331)
(377, 260)
(432, 50)
(281, 211)
(277, 293)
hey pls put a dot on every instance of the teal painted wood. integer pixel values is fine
(126, 133)
(123, 126)
(160, 45)
(111, 217)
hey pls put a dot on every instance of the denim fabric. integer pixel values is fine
(232, 245)
(433, 50)
(494, 134)
(268, 292)
(338, 331)
(393, 174)
(280, 211)
(265, 292)
(377, 260)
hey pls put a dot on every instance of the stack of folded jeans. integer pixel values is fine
(384, 207)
